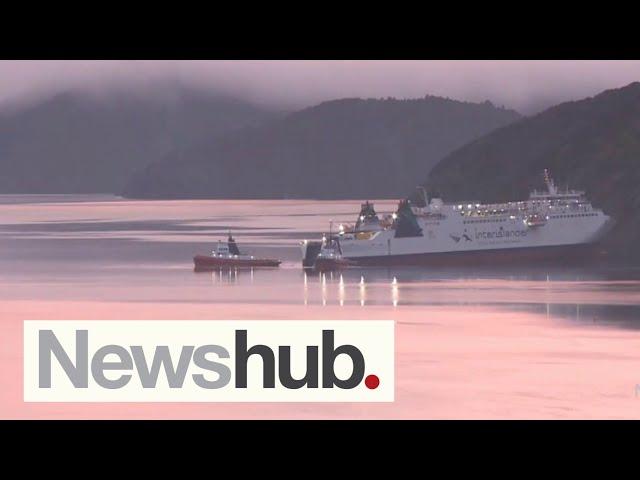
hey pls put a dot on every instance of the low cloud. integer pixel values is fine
(527, 86)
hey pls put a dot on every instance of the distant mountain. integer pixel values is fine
(350, 148)
(591, 144)
(76, 143)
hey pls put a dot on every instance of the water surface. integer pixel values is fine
(471, 342)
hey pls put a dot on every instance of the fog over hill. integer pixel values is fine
(73, 142)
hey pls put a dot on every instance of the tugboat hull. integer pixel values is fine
(204, 262)
(329, 264)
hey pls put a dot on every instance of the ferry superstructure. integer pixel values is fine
(550, 224)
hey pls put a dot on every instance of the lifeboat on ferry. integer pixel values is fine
(227, 255)
(535, 220)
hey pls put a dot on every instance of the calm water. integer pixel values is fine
(471, 343)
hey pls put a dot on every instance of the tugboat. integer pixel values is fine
(227, 254)
(330, 256)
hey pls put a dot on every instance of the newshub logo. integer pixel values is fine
(209, 361)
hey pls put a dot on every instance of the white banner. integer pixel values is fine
(209, 361)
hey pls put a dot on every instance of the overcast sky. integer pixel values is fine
(527, 86)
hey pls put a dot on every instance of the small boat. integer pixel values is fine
(330, 257)
(227, 255)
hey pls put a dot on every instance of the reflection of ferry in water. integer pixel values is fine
(552, 224)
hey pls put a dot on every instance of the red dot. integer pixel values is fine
(372, 382)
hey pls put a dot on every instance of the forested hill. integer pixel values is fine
(79, 143)
(350, 148)
(591, 144)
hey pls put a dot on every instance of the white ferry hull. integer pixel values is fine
(457, 240)
(556, 255)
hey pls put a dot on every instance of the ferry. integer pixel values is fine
(227, 255)
(550, 225)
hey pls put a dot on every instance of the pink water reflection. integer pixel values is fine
(469, 344)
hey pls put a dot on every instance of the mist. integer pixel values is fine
(526, 86)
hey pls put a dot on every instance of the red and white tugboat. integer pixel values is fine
(227, 255)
